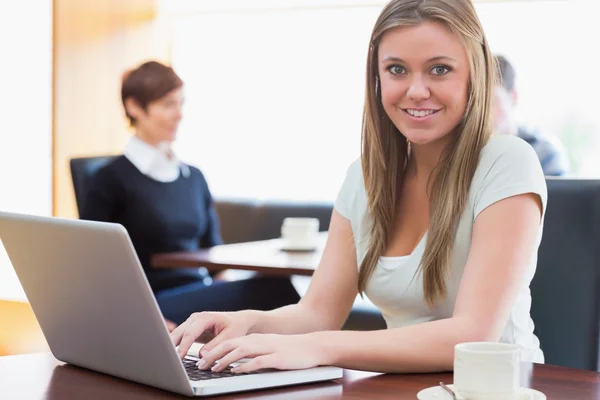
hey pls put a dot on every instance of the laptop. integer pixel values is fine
(93, 302)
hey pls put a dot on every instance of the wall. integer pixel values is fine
(95, 42)
(20, 331)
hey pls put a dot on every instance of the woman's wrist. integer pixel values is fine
(323, 343)
(252, 318)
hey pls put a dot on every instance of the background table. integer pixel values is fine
(263, 256)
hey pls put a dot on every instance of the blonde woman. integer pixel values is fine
(437, 223)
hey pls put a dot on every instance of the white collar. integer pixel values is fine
(154, 162)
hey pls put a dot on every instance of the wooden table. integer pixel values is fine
(263, 256)
(40, 376)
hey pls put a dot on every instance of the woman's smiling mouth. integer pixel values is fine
(420, 114)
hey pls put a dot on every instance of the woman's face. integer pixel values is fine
(159, 122)
(424, 77)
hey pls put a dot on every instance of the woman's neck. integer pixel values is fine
(146, 138)
(424, 158)
(161, 146)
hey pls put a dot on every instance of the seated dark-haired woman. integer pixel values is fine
(166, 205)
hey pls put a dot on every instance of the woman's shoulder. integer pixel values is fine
(355, 170)
(351, 195)
(508, 147)
(508, 155)
(195, 172)
(354, 181)
(195, 176)
(507, 166)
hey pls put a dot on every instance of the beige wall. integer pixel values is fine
(94, 43)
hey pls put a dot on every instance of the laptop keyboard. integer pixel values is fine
(196, 374)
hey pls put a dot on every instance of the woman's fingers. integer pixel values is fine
(239, 352)
(177, 333)
(187, 336)
(217, 340)
(260, 362)
(230, 351)
(170, 325)
(209, 358)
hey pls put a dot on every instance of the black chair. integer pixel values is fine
(82, 170)
(566, 288)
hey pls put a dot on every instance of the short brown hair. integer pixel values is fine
(147, 83)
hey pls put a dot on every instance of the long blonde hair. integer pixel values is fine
(385, 149)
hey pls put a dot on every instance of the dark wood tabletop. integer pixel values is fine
(265, 256)
(41, 376)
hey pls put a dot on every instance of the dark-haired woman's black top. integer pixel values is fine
(159, 216)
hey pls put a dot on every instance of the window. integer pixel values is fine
(273, 98)
(549, 43)
(26, 134)
(274, 93)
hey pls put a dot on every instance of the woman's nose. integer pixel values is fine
(418, 89)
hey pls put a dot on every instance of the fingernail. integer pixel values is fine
(214, 368)
(203, 352)
(235, 369)
(201, 363)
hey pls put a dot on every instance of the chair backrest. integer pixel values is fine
(82, 171)
(245, 220)
(566, 288)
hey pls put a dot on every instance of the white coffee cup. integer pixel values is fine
(486, 370)
(299, 233)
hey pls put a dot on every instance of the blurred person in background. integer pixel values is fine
(549, 150)
(166, 205)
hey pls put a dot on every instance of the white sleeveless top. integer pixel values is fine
(508, 166)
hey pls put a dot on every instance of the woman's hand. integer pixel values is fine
(217, 326)
(170, 325)
(266, 351)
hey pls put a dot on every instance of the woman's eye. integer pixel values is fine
(396, 69)
(440, 70)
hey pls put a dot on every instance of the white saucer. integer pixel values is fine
(437, 393)
(298, 248)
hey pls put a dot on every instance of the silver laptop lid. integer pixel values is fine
(92, 299)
